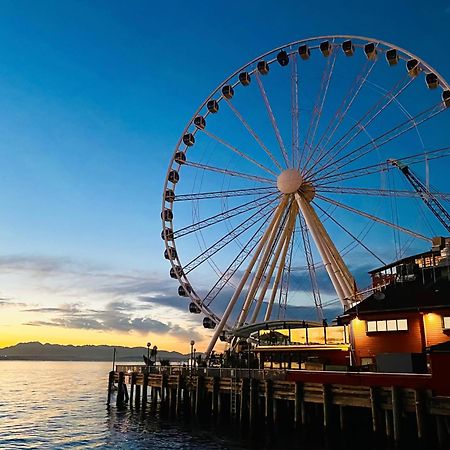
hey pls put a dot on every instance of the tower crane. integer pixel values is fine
(429, 199)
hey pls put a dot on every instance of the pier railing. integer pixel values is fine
(222, 372)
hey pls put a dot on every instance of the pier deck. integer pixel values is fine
(391, 400)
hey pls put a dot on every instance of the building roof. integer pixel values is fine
(407, 259)
(403, 297)
(443, 347)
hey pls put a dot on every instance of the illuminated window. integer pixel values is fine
(390, 325)
(446, 323)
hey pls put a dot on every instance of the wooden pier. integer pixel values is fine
(252, 395)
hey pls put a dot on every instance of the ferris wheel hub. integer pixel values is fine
(289, 181)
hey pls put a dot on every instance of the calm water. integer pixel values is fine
(63, 405)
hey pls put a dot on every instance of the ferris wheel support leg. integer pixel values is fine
(341, 270)
(244, 279)
(287, 233)
(277, 281)
(331, 269)
(271, 234)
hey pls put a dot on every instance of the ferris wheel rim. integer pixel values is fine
(403, 55)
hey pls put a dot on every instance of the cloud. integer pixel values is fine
(115, 317)
(7, 302)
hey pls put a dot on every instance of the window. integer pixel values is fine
(446, 323)
(391, 325)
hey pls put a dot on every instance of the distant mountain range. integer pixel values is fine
(54, 352)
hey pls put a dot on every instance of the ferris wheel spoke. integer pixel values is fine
(311, 266)
(223, 194)
(383, 139)
(318, 108)
(345, 106)
(381, 167)
(272, 119)
(224, 215)
(238, 152)
(377, 192)
(228, 237)
(253, 133)
(361, 124)
(295, 115)
(374, 218)
(350, 234)
(231, 173)
(229, 272)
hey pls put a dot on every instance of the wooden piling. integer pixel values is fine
(418, 402)
(215, 395)
(198, 393)
(326, 395)
(268, 399)
(253, 400)
(342, 417)
(120, 391)
(137, 396)
(374, 408)
(110, 386)
(298, 403)
(396, 405)
(132, 388)
(388, 423)
(243, 405)
(144, 391)
(440, 431)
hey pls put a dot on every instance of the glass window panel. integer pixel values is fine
(391, 325)
(381, 325)
(316, 336)
(335, 335)
(371, 326)
(402, 324)
(298, 336)
(447, 323)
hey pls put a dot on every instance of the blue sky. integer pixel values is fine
(95, 95)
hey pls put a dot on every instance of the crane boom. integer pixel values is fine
(429, 199)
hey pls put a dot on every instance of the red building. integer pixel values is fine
(408, 312)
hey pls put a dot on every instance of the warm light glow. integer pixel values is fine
(432, 317)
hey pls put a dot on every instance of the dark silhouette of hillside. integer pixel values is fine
(55, 352)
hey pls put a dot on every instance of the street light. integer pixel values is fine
(148, 354)
(192, 351)
(194, 358)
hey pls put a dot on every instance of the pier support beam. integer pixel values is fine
(268, 398)
(326, 395)
(299, 404)
(418, 400)
(144, 391)
(110, 386)
(137, 396)
(396, 406)
(132, 388)
(374, 408)
(120, 391)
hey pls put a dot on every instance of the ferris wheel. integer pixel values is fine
(282, 185)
